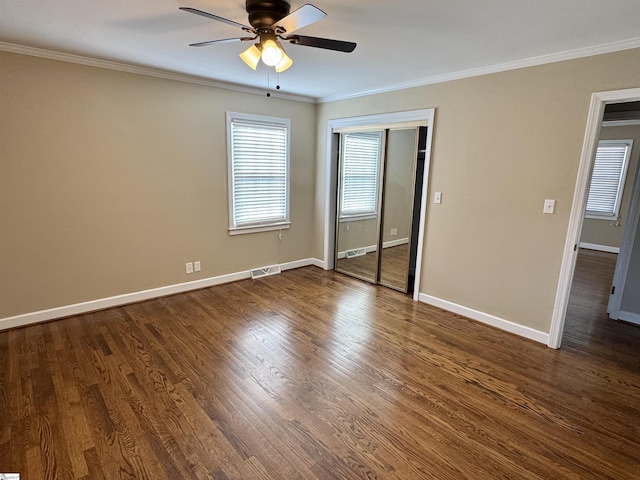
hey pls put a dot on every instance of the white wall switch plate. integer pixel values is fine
(437, 197)
(549, 206)
(196, 265)
(188, 267)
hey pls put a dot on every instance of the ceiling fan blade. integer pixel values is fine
(326, 43)
(303, 16)
(224, 40)
(216, 17)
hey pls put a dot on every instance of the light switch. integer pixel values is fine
(549, 206)
(437, 197)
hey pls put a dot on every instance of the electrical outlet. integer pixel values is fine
(196, 265)
(188, 267)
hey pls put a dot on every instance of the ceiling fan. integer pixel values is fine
(271, 22)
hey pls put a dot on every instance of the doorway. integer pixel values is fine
(599, 102)
(381, 122)
(589, 318)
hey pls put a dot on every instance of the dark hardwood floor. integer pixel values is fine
(312, 375)
(588, 328)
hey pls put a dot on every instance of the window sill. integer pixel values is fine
(259, 228)
(595, 216)
(356, 218)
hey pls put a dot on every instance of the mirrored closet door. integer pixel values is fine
(376, 196)
(397, 207)
(359, 201)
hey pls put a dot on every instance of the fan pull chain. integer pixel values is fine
(268, 82)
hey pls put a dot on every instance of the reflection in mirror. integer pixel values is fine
(358, 204)
(397, 210)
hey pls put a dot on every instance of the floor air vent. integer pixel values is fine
(358, 252)
(265, 271)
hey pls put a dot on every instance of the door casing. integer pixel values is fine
(596, 112)
(423, 117)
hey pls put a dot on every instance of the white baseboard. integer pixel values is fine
(301, 263)
(486, 318)
(118, 300)
(373, 248)
(320, 263)
(395, 243)
(629, 317)
(600, 248)
(369, 249)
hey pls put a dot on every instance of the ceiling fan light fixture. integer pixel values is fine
(271, 20)
(285, 62)
(271, 53)
(251, 56)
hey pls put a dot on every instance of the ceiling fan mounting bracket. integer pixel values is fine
(266, 34)
(265, 13)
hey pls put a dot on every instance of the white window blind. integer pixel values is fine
(359, 177)
(608, 177)
(259, 172)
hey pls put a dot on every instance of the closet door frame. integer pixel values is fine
(412, 118)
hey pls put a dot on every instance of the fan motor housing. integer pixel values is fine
(265, 13)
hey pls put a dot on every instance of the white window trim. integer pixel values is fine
(353, 218)
(623, 178)
(258, 226)
(601, 216)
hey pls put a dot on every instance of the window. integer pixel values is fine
(607, 179)
(258, 151)
(359, 174)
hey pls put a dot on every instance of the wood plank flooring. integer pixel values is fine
(588, 328)
(311, 375)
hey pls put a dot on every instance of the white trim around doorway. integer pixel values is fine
(594, 120)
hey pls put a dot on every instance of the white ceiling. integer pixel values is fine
(400, 43)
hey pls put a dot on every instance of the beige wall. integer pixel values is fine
(110, 182)
(608, 232)
(630, 302)
(502, 144)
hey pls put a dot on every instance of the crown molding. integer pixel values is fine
(501, 67)
(180, 77)
(146, 71)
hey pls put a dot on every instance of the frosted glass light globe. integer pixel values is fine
(271, 54)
